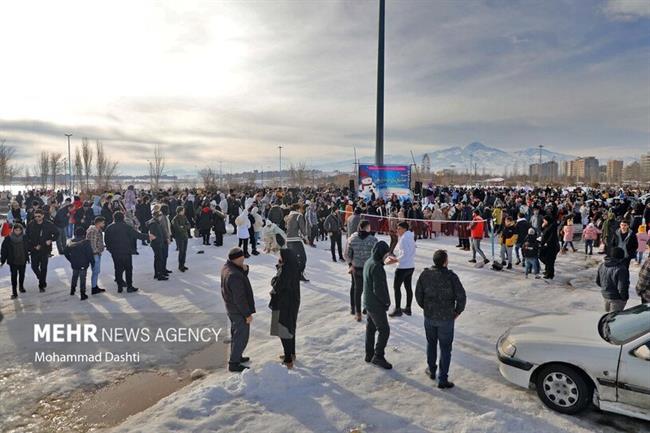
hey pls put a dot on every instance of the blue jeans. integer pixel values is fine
(532, 264)
(96, 269)
(589, 246)
(639, 257)
(69, 230)
(439, 332)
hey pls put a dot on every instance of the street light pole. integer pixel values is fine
(539, 167)
(280, 148)
(379, 139)
(69, 165)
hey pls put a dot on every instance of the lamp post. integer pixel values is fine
(379, 139)
(539, 167)
(69, 165)
(280, 174)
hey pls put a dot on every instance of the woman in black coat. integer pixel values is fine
(549, 246)
(285, 302)
(219, 227)
(204, 224)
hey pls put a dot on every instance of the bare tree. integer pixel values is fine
(42, 168)
(209, 178)
(56, 165)
(7, 170)
(87, 157)
(298, 173)
(79, 168)
(105, 167)
(156, 167)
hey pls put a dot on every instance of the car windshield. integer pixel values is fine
(624, 326)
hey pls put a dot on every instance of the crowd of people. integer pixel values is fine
(529, 225)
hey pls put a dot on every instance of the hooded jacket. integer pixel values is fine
(79, 253)
(375, 288)
(14, 250)
(613, 278)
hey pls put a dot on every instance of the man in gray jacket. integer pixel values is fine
(442, 297)
(357, 251)
(353, 222)
(333, 226)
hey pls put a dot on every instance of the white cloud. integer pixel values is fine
(627, 10)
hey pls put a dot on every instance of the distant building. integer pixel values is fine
(645, 167)
(602, 173)
(614, 171)
(584, 170)
(632, 172)
(563, 169)
(545, 172)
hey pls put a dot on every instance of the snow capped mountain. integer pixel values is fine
(490, 160)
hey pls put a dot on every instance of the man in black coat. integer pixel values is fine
(80, 255)
(240, 305)
(61, 222)
(626, 240)
(442, 297)
(376, 302)
(40, 235)
(119, 239)
(549, 246)
(157, 238)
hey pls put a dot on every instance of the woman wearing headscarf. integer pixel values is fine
(285, 302)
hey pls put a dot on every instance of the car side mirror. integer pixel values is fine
(642, 352)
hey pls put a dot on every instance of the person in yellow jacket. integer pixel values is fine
(497, 215)
(507, 239)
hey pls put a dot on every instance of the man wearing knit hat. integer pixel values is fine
(240, 304)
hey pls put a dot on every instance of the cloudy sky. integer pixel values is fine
(231, 80)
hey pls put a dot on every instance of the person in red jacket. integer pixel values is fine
(476, 231)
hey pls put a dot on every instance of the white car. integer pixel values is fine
(573, 360)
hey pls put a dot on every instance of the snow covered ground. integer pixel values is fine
(331, 388)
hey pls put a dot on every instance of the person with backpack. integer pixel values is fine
(507, 239)
(80, 255)
(530, 253)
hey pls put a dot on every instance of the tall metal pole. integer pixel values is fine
(280, 174)
(379, 142)
(539, 167)
(69, 165)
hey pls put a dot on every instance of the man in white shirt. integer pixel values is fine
(405, 259)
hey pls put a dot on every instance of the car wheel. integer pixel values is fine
(563, 389)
